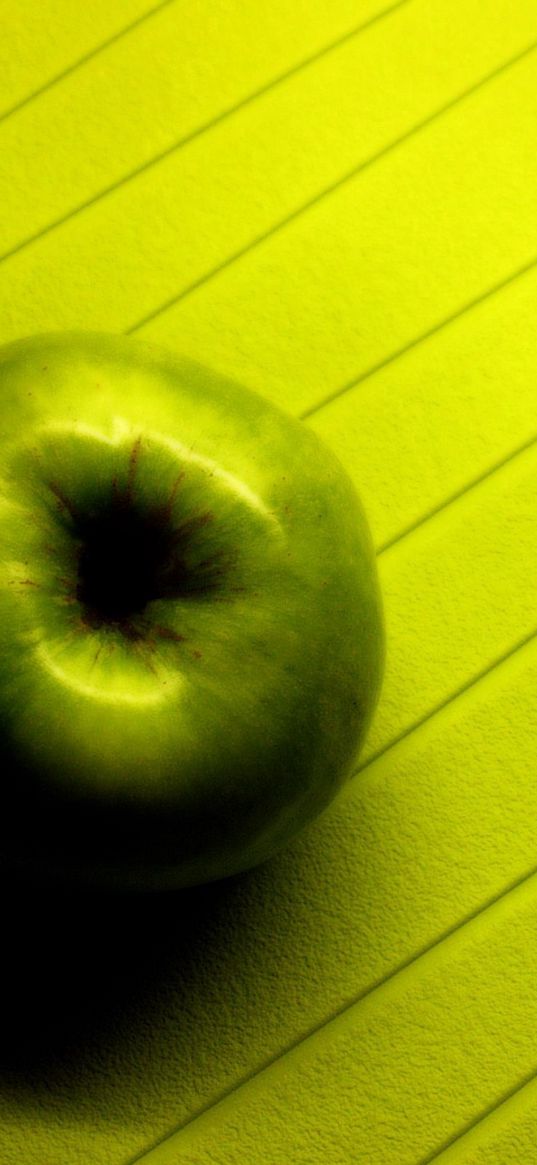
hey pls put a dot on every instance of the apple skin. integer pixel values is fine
(191, 627)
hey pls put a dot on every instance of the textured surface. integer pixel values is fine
(336, 204)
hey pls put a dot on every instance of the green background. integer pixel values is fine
(336, 203)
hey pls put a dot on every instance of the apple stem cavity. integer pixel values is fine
(130, 554)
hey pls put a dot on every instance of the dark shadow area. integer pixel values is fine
(75, 965)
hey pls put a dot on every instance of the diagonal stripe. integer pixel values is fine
(84, 60)
(432, 712)
(459, 494)
(206, 127)
(393, 356)
(478, 1120)
(325, 193)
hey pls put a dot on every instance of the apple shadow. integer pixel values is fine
(75, 963)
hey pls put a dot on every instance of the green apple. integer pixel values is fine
(191, 627)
